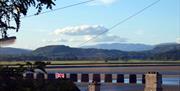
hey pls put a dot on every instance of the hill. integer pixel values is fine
(68, 53)
(168, 55)
(166, 52)
(161, 48)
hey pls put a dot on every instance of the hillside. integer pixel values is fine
(168, 55)
(166, 52)
(65, 52)
(161, 48)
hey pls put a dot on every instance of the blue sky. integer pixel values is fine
(75, 25)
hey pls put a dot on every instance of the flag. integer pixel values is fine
(59, 75)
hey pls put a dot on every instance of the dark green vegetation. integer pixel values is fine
(59, 52)
(11, 11)
(11, 79)
(37, 85)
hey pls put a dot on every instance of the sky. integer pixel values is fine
(74, 26)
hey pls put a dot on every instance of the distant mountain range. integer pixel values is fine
(9, 51)
(61, 52)
(122, 47)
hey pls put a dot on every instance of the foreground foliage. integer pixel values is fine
(11, 79)
(11, 11)
(37, 85)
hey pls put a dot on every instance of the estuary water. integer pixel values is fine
(169, 84)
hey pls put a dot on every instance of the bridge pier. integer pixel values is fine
(94, 86)
(79, 77)
(153, 81)
(35, 75)
(114, 78)
(102, 77)
(45, 76)
(90, 77)
(68, 75)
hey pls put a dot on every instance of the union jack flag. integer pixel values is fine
(60, 75)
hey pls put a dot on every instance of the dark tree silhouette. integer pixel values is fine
(11, 11)
(40, 65)
(29, 66)
(11, 79)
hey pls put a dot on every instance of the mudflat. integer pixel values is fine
(171, 70)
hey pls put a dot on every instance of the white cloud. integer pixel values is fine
(81, 30)
(178, 40)
(83, 33)
(103, 2)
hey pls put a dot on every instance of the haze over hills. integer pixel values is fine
(122, 46)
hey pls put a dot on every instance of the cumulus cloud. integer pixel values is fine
(83, 33)
(81, 30)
